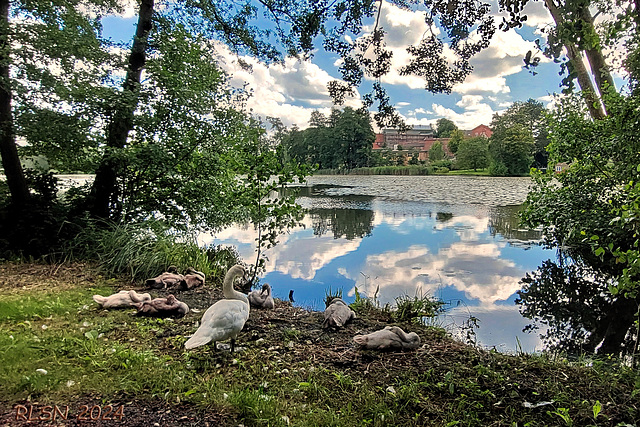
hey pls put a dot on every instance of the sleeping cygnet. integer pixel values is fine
(391, 337)
(168, 279)
(162, 307)
(122, 299)
(337, 314)
(262, 298)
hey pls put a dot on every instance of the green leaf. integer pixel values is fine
(597, 407)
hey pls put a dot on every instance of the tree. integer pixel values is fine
(436, 152)
(343, 140)
(530, 115)
(445, 128)
(463, 28)
(354, 135)
(271, 216)
(590, 211)
(457, 136)
(576, 35)
(102, 201)
(473, 153)
(10, 161)
(511, 151)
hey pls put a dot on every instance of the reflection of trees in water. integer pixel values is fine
(580, 312)
(347, 223)
(443, 216)
(317, 190)
(504, 220)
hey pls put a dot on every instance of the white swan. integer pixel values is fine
(121, 299)
(224, 319)
(262, 298)
(391, 337)
(337, 314)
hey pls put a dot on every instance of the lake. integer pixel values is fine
(453, 237)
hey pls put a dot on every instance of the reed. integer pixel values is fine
(140, 251)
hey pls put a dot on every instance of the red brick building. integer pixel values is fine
(419, 138)
(482, 130)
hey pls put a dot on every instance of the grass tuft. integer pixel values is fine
(142, 251)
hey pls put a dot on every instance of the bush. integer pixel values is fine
(444, 163)
(498, 169)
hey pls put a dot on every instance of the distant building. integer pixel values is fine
(412, 138)
(561, 167)
(482, 130)
(419, 138)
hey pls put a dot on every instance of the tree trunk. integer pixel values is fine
(594, 104)
(104, 191)
(612, 331)
(16, 181)
(589, 93)
(599, 68)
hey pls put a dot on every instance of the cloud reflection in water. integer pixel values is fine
(465, 254)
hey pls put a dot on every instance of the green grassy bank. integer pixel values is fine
(59, 348)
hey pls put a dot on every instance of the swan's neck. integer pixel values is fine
(403, 335)
(227, 287)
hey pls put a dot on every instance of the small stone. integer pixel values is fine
(42, 371)
(45, 327)
(391, 390)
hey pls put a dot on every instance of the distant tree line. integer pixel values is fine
(518, 142)
(343, 140)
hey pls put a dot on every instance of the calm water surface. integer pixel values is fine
(453, 237)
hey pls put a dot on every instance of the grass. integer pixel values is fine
(320, 380)
(479, 172)
(416, 308)
(140, 251)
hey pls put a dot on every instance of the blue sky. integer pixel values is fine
(291, 92)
